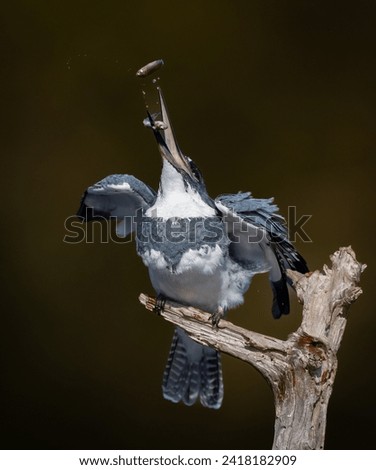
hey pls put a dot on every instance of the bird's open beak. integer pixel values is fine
(167, 144)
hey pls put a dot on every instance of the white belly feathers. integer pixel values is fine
(205, 278)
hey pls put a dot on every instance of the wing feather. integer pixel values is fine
(259, 242)
(118, 196)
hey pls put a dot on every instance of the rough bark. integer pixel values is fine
(300, 370)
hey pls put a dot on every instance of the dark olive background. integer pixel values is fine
(276, 97)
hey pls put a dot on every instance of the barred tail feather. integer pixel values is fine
(211, 394)
(193, 371)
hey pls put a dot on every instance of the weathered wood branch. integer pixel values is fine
(300, 370)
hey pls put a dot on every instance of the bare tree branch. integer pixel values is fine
(300, 370)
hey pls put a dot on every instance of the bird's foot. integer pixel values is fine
(159, 304)
(216, 316)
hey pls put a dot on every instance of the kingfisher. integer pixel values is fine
(199, 251)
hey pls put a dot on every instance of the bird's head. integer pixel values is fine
(169, 148)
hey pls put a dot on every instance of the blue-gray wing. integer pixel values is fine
(117, 196)
(259, 242)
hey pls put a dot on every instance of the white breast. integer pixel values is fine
(204, 278)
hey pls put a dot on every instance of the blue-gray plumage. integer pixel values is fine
(199, 252)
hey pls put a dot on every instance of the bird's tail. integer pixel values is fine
(193, 371)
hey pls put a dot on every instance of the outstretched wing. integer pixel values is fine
(118, 196)
(259, 242)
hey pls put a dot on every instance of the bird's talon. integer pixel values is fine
(159, 304)
(216, 317)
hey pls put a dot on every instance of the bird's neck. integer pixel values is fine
(177, 198)
(171, 181)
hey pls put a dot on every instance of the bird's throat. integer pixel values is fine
(177, 198)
